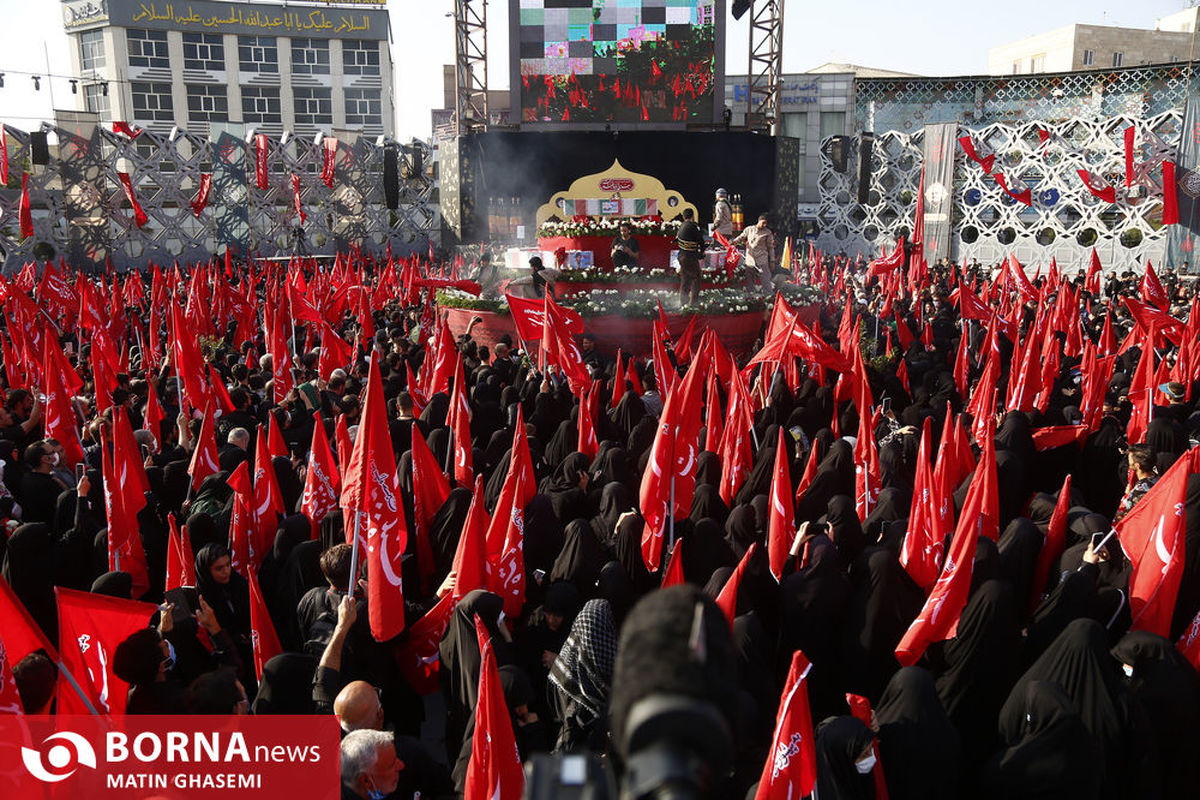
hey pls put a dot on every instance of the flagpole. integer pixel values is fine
(62, 668)
(671, 514)
(350, 588)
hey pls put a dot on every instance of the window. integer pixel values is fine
(1089, 58)
(96, 99)
(1037, 63)
(310, 56)
(1016, 67)
(833, 123)
(258, 54)
(260, 104)
(147, 48)
(363, 107)
(91, 50)
(203, 51)
(152, 102)
(360, 57)
(207, 103)
(313, 106)
(1118, 59)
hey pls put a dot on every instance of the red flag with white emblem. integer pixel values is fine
(781, 526)
(371, 489)
(505, 540)
(268, 501)
(90, 626)
(460, 425)
(1152, 536)
(322, 481)
(790, 771)
(921, 553)
(494, 772)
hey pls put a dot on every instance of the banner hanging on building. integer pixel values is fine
(941, 143)
(1183, 238)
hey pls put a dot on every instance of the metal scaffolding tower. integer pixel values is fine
(766, 65)
(470, 65)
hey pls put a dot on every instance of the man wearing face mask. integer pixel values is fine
(60, 471)
(370, 766)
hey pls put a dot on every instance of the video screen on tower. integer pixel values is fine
(602, 61)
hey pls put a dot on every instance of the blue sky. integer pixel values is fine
(932, 37)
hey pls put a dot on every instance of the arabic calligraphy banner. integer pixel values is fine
(256, 19)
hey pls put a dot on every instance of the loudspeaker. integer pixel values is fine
(39, 148)
(391, 176)
(740, 7)
(866, 143)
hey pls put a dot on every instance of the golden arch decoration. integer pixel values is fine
(616, 182)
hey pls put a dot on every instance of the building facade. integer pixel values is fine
(1083, 47)
(274, 67)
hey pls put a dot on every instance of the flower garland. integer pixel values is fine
(627, 275)
(630, 303)
(578, 227)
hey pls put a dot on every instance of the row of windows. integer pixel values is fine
(260, 104)
(1037, 63)
(206, 51)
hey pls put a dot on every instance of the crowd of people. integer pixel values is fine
(1047, 688)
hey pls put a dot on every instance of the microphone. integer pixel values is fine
(675, 698)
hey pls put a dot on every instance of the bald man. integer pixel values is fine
(357, 707)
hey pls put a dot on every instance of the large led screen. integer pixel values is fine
(600, 61)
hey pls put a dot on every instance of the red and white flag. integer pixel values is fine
(790, 771)
(322, 481)
(505, 540)
(494, 771)
(328, 160)
(90, 626)
(371, 489)
(921, 553)
(204, 461)
(459, 421)
(200, 202)
(267, 503)
(181, 563)
(1152, 536)
(781, 516)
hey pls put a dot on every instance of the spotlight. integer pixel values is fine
(74, 86)
(318, 137)
(284, 138)
(1, 80)
(740, 7)
(174, 133)
(37, 82)
(103, 86)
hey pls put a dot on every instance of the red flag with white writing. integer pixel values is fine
(322, 481)
(790, 771)
(781, 526)
(470, 567)
(267, 503)
(241, 529)
(90, 626)
(494, 771)
(505, 539)
(417, 656)
(460, 426)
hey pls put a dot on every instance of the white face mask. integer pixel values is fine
(54, 459)
(865, 765)
(1128, 670)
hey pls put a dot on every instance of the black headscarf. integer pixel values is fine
(458, 671)
(580, 560)
(707, 502)
(918, 745)
(614, 501)
(446, 528)
(840, 742)
(114, 584)
(844, 527)
(229, 601)
(544, 534)
(286, 685)
(741, 530)
(29, 570)
(883, 603)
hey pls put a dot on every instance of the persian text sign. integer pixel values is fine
(178, 757)
(208, 16)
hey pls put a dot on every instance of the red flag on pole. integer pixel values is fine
(204, 461)
(1152, 536)
(921, 553)
(268, 501)
(938, 619)
(90, 626)
(494, 771)
(322, 481)
(139, 214)
(241, 534)
(202, 191)
(790, 771)
(181, 562)
(470, 557)
(727, 599)
(263, 639)
(125, 487)
(460, 425)
(781, 527)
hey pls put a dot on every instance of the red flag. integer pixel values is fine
(672, 459)
(470, 557)
(24, 215)
(1152, 290)
(938, 619)
(328, 160)
(90, 626)
(1141, 393)
(1098, 186)
(139, 214)
(204, 461)
(528, 314)
(714, 423)
(1170, 212)
(20, 634)
(260, 161)
(986, 161)
(202, 191)
(1152, 536)
(673, 574)
(371, 489)
(781, 527)
(588, 444)
(430, 489)
(120, 126)
(322, 481)
(58, 414)
(1129, 170)
(188, 362)
(276, 447)
(618, 390)
(268, 501)
(791, 768)
(10, 695)
(3, 156)
(921, 553)
(736, 456)
(1014, 188)
(494, 771)
(460, 425)
(262, 631)
(241, 537)
(727, 599)
(281, 357)
(417, 656)
(181, 563)
(1054, 544)
(631, 374)
(125, 487)
(505, 538)
(341, 435)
